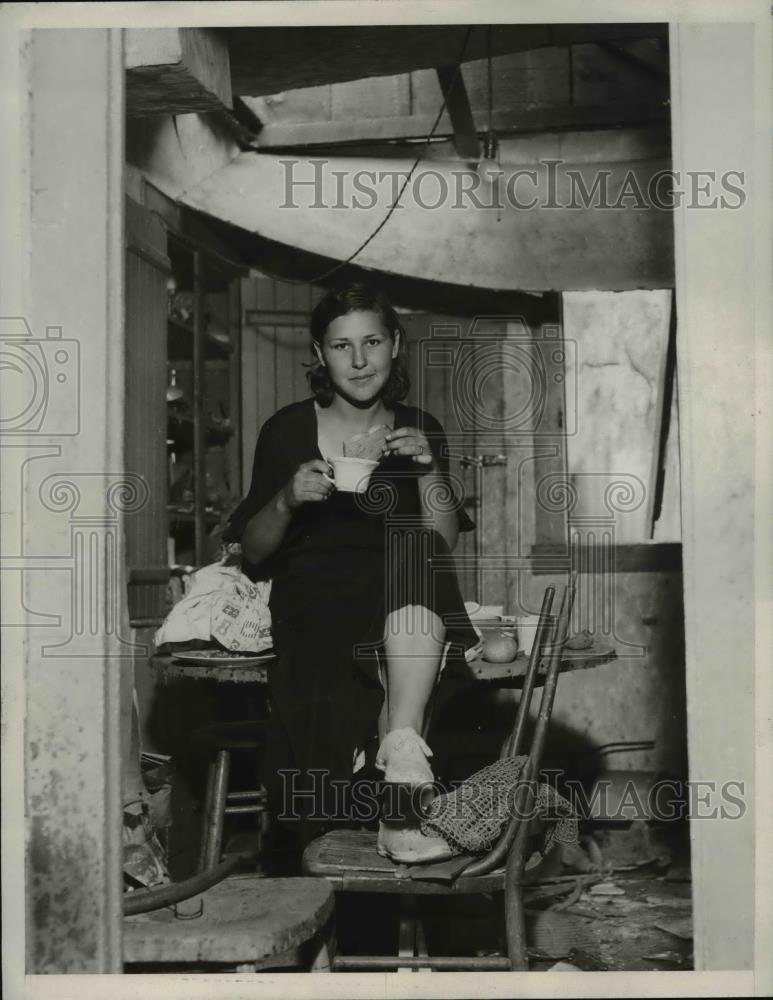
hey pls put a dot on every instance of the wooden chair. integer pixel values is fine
(221, 741)
(217, 919)
(349, 860)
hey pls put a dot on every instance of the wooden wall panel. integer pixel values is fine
(432, 342)
(301, 105)
(234, 448)
(551, 425)
(249, 380)
(486, 380)
(536, 77)
(381, 97)
(285, 373)
(147, 268)
(275, 350)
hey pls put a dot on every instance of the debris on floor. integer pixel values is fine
(586, 962)
(640, 919)
(554, 934)
(606, 889)
(564, 967)
(677, 903)
(627, 848)
(678, 873)
(669, 958)
(681, 927)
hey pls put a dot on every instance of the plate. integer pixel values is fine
(483, 612)
(205, 658)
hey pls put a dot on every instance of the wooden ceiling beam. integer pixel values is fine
(505, 121)
(173, 71)
(458, 107)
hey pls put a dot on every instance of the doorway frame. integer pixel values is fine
(743, 269)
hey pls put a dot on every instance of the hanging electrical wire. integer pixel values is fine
(425, 146)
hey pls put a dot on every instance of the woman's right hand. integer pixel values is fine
(310, 484)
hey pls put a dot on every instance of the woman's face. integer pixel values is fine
(358, 351)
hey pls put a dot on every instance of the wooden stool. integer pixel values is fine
(221, 741)
(245, 922)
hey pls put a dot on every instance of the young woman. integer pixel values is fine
(365, 604)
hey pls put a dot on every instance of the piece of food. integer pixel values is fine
(501, 648)
(370, 445)
(583, 640)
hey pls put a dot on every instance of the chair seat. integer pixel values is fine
(349, 860)
(244, 919)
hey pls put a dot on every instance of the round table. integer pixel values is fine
(513, 674)
(169, 667)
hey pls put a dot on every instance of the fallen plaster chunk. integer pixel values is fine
(606, 889)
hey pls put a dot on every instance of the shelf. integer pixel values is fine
(177, 324)
(153, 623)
(204, 305)
(179, 340)
(180, 343)
(180, 430)
(215, 351)
(185, 364)
(188, 517)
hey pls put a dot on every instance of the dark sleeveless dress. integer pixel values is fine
(343, 565)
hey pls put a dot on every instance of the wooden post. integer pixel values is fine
(199, 417)
(458, 105)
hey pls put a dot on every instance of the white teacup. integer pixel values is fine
(527, 631)
(352, 475)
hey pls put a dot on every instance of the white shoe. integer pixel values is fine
(402, 757)
(407, 845)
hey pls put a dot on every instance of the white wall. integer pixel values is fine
(714, 129)
(62, 496)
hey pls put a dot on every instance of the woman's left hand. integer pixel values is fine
(412, 443)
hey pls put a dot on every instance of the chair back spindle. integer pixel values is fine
(517, 856)
(549, 640)
(514, 742)
(554, 652)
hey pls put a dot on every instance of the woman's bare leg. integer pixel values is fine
(414, 640)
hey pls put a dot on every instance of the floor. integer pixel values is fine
(647, 926)
(620, 901)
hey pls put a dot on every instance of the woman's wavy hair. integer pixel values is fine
(341, 302)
